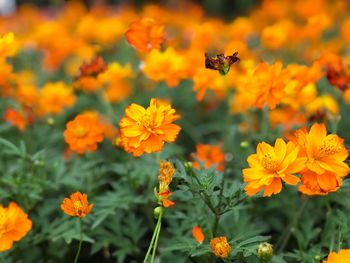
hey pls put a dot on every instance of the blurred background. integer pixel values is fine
(225, 9)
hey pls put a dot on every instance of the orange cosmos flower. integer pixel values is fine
(220, 247)
(54, 97)
(27, 95)
(324, 153)
(16, 118)
(205, 79)
(209, 155)
(341, 257)
(145, 130)
(270, 165)
(84, 133)
(319, 184)
(267, 84)
(14, 225)
(145, 35)
(76, 205)
(198, 234)
(168, 66)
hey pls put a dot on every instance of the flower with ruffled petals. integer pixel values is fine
(209, 155)
(145, 130)
(76, 205)
(84, 133)
(220, 247)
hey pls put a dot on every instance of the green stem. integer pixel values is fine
(80, 242)
(153, 237)
(156, 241)
(265, 125)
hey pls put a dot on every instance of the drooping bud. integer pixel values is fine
(157, 211)
(221, 63)
(265, 252)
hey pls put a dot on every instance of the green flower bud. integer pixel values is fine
(265, 252)
(244, 144)
(157, 211)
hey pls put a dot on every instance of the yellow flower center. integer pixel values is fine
(269, 163)
(3, 219)
(146, 121)
(80, 131)
(329, 147)
(77, 207)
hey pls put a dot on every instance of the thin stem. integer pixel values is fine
(156, 241)
(80, 242)
(292, 225)
(153, 237)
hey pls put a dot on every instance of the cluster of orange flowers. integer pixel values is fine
(319, 159)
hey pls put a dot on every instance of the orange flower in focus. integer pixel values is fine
(270, 165)
(145, 130)
(209, 155)
(84, 133)
(220, 247)
(341, 257)
(54, 97)
(16, 118)
(198, 234)
(168, 66)
(323, 152)
(76, 205)
(319, 184)
(145, 35)
(14, 225)
(164, 196)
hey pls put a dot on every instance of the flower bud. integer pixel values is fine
(265, 252)
(244, 144)
(50, 121)
(157, 211)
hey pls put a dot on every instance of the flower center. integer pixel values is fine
(269, 163)
(329, 147)
(146, 121)
(80, 131)
(77, 207)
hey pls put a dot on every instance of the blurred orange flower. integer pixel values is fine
(76, 205)
(14, 225)
(270, 165)
(8, 45)
(16, 118)
(84, 133)
(168, 66)
(220, 247)
(27, 95)
(145, 130)
(341, 257)
(198, 234)
(209, 155)
(54, 97)
(145, 35)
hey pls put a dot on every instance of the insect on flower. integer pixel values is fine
(221, 63)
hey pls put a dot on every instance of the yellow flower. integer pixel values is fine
(8, 45)
(270, 165)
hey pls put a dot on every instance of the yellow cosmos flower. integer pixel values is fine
(270, 165)
(341, 257)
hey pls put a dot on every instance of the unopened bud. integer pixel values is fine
(265, 252)
(50, 121)
(157, 211)
(318, 257)
(244, 144)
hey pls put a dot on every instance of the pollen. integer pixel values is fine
(329, 147)
(269, 163)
